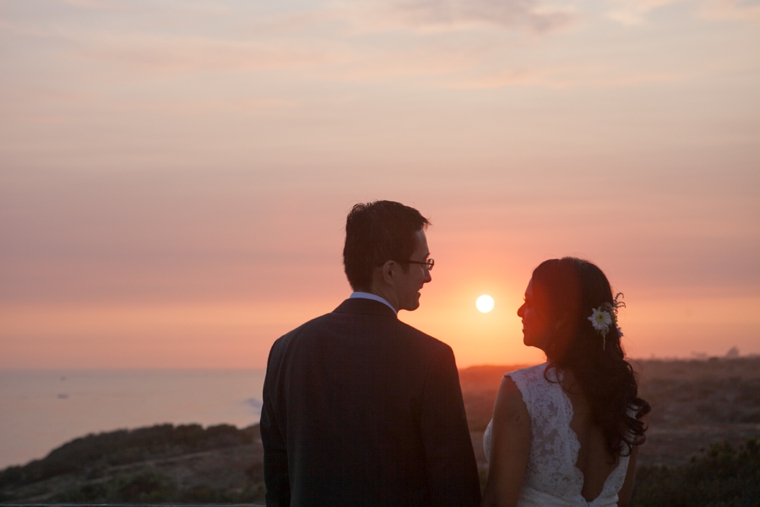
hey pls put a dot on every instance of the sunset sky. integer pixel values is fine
(175, 174)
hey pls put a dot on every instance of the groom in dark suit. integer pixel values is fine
(361, 409)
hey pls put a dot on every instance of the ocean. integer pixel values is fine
(43, 409)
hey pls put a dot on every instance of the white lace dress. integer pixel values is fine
(552, 479)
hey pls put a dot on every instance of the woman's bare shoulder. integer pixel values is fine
(509, 401)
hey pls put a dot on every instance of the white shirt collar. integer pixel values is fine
(373, 297)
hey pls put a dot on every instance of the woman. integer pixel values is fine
(565, 433)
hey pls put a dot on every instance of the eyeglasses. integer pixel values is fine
(428, 264)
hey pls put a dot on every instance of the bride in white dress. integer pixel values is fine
(566, 432)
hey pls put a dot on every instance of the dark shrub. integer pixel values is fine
(722, 477)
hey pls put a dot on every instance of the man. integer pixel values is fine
(361, 409)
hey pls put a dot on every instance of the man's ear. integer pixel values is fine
(388, 271)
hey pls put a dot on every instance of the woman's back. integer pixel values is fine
(568, 463)
(594, 460)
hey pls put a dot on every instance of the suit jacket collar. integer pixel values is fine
(363, 306)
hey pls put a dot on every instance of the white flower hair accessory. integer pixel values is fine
(601, 320)
(605, 316)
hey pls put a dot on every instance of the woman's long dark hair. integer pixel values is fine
(566, 292)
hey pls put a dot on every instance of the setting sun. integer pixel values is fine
(484, 303)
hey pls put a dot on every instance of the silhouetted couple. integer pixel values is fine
(361, 409)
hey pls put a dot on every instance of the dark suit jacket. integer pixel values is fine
(362, 409)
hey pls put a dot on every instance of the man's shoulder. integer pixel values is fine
(316, 322)
(366, 314)
(424, 338)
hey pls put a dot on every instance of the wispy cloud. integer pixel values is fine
(566, 77)
(634, 12)
(93, 4)
(731, 9)
(425, 62)
(448, 15)
(204, 107)
(154, 53)
(361, 40)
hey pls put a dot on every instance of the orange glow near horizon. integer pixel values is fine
(239, 335)
(210, 332)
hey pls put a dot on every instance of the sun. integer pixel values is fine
(484, 303)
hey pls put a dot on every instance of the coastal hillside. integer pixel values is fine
(162, 463)
(705, 414)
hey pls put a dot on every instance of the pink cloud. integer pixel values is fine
(447, 15)
(201, 107)
(184, 54)
(731, 9)
(633, 12)
(93, 4)
(566, 77)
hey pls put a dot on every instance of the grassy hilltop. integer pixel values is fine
(699, 449)
(163, 463)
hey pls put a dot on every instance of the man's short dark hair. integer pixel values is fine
(377, 232)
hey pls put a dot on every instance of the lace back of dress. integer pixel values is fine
(554, 447)
(552, 479)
